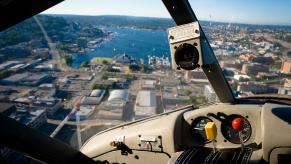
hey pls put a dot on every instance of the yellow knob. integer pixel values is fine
(210, 131)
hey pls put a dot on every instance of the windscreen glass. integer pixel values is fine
(252, 41)
(83, 67)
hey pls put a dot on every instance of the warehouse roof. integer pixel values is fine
(120, 94)
(146, 99)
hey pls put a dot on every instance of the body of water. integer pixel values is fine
(138, 43)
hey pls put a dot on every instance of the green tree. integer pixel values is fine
(105, 62)
(134, 67)
(64, 47)
(187, 92)
(84, 64)
(101, 86)
(197, 100)
(3, 74)
(146, 68)
(241, 79)
(234, 85)
(68, 59)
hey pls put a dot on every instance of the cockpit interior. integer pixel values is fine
(251, 129)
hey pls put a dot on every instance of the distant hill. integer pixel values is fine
(149, 22)
(66, 27)
(28, 30)
(123, 21)
(58, 28)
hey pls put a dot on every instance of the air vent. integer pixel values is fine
(207, 155)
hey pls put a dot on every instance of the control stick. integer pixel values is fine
(238, 125)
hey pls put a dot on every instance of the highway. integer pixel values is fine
(52, 46)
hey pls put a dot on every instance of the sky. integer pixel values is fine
(231, 11)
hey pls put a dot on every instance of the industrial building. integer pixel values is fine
(196, 76)
(89, 103)
(14, 79)
(8, 64)
(256, 88)
(171, 99)
(50, 104)
(118, 98)
(31, 117)
(148, 84)
(84, 112)
(27, 79)
(146, 104)
(46, 90)
(254, 69)
(18, 67)
(95, 97)
(36, 79)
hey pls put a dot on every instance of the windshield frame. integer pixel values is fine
(182, 13)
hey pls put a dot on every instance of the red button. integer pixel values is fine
(238, 124)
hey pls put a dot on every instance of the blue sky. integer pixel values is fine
(241, 11)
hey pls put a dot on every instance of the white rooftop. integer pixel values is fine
(146, 98)
(119, 94)
(97, 93)
(146, 103)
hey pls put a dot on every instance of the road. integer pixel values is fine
(52, 46)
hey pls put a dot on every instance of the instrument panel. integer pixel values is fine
(231, 134)
(265, 128)
(197, 129)
(223, 117)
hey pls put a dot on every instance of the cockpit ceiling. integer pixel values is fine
(15, 11)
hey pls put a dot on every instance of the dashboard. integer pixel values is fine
(180, 137)
(231, 135)
(228, 141)
(227, 137)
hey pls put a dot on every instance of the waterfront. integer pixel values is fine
(138, 43)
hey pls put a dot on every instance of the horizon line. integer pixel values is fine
(205, 20)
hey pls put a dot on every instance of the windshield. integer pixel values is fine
(80, 68)
(252, 44)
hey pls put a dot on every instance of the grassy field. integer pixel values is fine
(101, 60)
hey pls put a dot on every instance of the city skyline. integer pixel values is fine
(268, 12)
